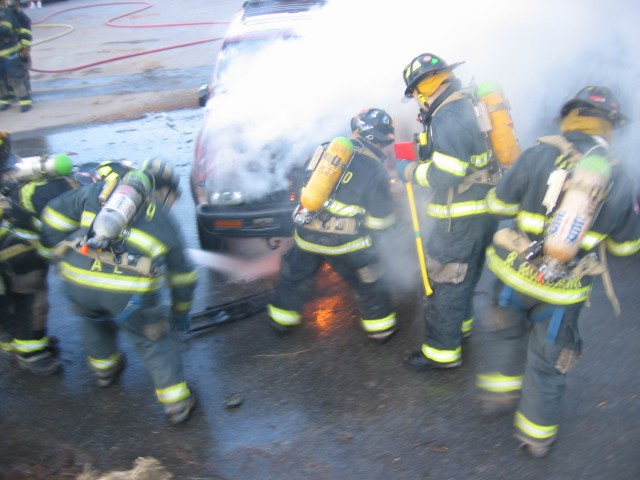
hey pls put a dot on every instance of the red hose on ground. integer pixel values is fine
(110, 23)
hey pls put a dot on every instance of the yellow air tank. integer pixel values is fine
(581, 201)
(502, 135)
(325, 176)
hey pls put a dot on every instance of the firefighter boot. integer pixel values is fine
(383, 337)
(41, 362)
(493, 403)
(108, 376)
(418, 361)
(179, 412)
(537, 449)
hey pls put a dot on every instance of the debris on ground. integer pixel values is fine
(144, 468)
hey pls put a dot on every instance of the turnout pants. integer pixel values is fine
(543, 340)
(23, 301)
(455, 254)
(14, 80)
(360, 269)
(145, 325)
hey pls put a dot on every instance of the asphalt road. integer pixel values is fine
(323, 403)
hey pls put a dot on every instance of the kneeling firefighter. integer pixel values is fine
(344, 204)
(568, 196)
(125, 244)
(26, 186)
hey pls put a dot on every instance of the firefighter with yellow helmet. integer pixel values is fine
(454, 158)
(570, 200)
(123, 246)
(345, 203)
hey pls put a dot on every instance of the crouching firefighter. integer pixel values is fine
(26, 186)
(123, 243)
(570, 200)
(344, 204)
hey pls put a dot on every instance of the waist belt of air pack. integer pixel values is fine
(507, 299)
(136, 263)
(340, 225)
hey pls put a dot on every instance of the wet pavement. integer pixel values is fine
(322, 403)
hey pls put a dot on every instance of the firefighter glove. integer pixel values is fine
(180, 322)
(405, 169)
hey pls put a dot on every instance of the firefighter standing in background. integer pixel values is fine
(23, 299)
(118, 286)
(15, 59)
(453, 150)
(341, 232)
(562, 181)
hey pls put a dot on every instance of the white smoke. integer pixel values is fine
(304, 92)
(299, 93)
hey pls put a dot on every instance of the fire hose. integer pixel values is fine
(110, 22)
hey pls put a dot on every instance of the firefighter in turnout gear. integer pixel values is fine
(455, 165)
(541, 283)
(23, 273)
(343, 230)
(15, 56)
(115, 283)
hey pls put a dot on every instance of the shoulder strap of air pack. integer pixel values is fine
(569, 155)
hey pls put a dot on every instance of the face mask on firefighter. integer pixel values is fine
(576, 121)
(429, 85)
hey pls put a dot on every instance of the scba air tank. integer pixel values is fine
(327, 172)
(32, 168)
(501, 131)
(584, 194)
(121, 207)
